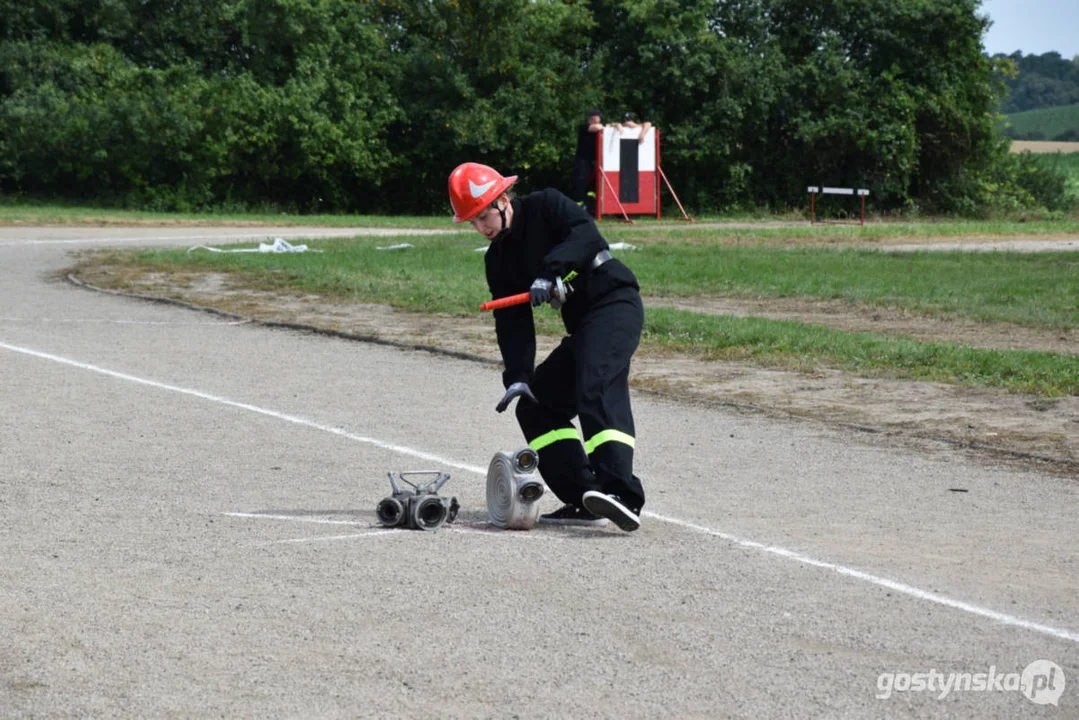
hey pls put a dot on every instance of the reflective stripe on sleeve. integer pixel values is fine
(607, 436)
(547, 438)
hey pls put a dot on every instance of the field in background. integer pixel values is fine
(1044, 123)
(1038, 146)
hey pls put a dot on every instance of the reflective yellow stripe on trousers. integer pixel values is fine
(547, 438)
(608, 436)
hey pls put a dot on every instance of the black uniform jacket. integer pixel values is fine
(550, 237)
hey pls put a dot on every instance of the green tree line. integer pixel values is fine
(366, 106)
(1039, 81)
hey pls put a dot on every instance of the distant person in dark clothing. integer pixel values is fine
(584, 161)
(630, 121)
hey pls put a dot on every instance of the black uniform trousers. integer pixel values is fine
(587, 376)
(584, 171)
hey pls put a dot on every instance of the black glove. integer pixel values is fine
(540, 291)
(515, 390)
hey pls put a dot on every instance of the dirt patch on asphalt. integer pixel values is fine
(995, 424)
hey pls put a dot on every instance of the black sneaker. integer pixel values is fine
(571, 515)
(611, 507)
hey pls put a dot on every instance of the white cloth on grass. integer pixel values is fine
(278, 246)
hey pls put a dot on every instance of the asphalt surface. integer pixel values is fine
(187, 530)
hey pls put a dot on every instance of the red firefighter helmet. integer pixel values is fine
(473, 187)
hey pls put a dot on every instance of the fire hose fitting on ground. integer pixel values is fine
(513, 489)
(421, 508)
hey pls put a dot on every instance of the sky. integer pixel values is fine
(1033, 26)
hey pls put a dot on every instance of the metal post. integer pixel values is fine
(656, 173)
(598, 173)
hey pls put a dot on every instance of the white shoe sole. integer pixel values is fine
(606, 506)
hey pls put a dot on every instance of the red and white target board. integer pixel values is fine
(628, 173)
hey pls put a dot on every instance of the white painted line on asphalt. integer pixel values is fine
(893, 585)
(300, 518)
(482, 528)
(298, 541)
(489, 531)
(401, 449)
(899, 587)
(318, 521)
(388, 532)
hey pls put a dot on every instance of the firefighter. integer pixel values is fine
(538, 241)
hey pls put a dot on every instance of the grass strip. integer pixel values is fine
(436, 275)
(791, 344)
(444, 274)
(1036, 289)
(441, 276)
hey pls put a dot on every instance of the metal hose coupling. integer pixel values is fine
(420, 508)
(513, 489)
